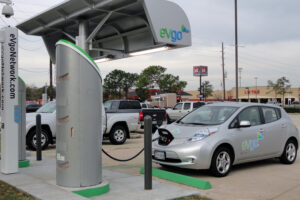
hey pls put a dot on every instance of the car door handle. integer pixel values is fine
(283, 125)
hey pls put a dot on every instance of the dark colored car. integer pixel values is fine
(30, 108)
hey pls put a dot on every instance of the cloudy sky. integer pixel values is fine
(269, 39)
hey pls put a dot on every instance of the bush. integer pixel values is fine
(292, 110)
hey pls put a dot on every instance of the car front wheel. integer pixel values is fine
(221, 162)
(289, 154)
(31, 140)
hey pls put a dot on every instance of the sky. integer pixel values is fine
(269, 43)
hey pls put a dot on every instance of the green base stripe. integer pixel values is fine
(178, 178)
(23, 164)
(92, 192)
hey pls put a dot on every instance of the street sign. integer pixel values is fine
(200, 71)
(201, 96)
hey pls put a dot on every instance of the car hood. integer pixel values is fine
(32, 116)
(185, 131)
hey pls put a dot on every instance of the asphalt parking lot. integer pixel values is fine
(268, 179)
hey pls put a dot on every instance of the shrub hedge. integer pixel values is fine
(292, 110)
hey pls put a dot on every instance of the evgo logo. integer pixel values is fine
(173, 34)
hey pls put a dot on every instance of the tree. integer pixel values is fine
(150, 76)
(113, 83)
(143, 93)
(117, 81)
(281, 87)
(274, 86)
(170, 83)
(284, 87)
(128, 82)
(207, 89)
(34, 93)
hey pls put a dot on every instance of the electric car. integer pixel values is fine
(217, 136)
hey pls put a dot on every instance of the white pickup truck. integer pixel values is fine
(181, 109)
(117, 123)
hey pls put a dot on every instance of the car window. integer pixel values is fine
(252, 115)
(187, 106)
(107, 105)
(209, 115)
(270, 114)
(47, 108)
(178, 106)
(144, 105)
(114, 105)
(278, 113)
(198, 104)
(129, 105)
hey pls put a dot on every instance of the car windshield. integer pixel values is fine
(47, 108)
(209, 115)
(107, 105)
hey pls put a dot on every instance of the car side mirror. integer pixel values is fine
(245, 124)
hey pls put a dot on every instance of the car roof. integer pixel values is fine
(240, 104)
(192, 102)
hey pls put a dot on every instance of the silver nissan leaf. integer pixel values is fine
(217, 136)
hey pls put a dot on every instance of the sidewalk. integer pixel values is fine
(39, 181)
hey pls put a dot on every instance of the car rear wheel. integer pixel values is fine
(221, 162)
(289, 154)
(118, 135)
(31, 139)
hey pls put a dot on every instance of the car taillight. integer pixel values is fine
(141, 115)
(166, 115)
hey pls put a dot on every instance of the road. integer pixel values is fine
(268, 179)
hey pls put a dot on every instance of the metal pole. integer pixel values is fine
(240, 77)
(236, 54)
(223, 69)
(38, 138)
(148, 152)
(51, 82)
(256, 89)
(83, 34)
(200, 89)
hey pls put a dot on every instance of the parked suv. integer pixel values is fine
(181, 109)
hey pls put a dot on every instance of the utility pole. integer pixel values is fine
(256, 88)
(240, 77)
(200, 89)
(51, 82)
(223, 71)
(236, 52)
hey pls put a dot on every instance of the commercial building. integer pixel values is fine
(261, 94)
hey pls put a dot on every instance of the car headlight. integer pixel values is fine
(200, 135)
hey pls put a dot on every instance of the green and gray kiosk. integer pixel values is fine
(76, 33)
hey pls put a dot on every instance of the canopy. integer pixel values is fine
(114, 28)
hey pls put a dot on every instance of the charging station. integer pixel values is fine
(102, 30)
(79, 111)
(21, 111)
